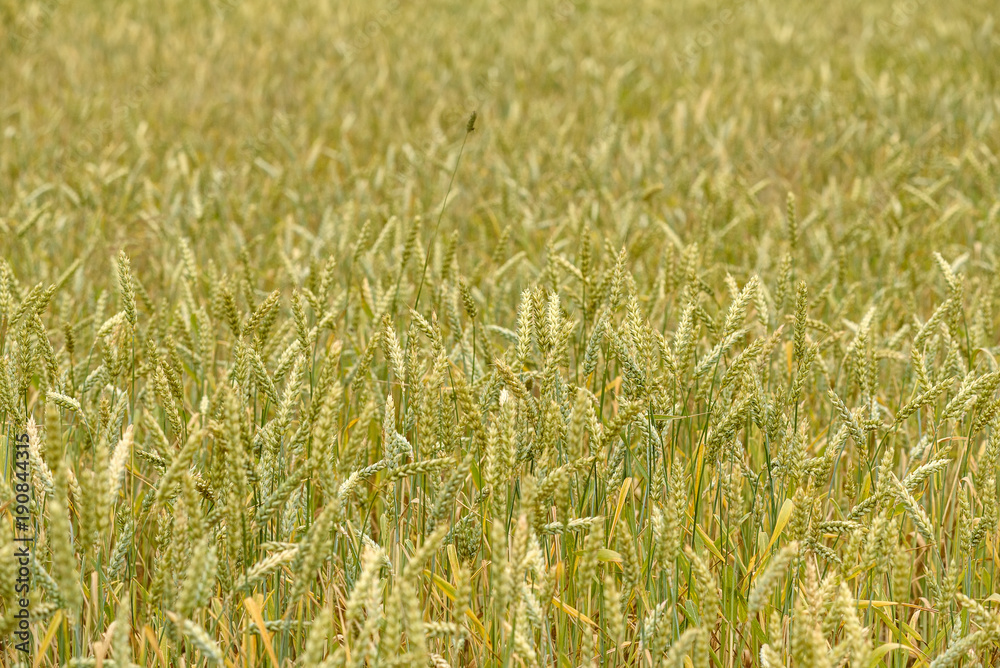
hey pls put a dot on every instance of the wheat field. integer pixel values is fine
(559, 333)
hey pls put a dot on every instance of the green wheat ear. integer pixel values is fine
(652, 410)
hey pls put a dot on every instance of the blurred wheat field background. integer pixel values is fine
(684, 356)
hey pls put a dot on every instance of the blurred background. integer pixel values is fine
(278, 126)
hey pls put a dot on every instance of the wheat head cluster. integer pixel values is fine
(681, 352)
